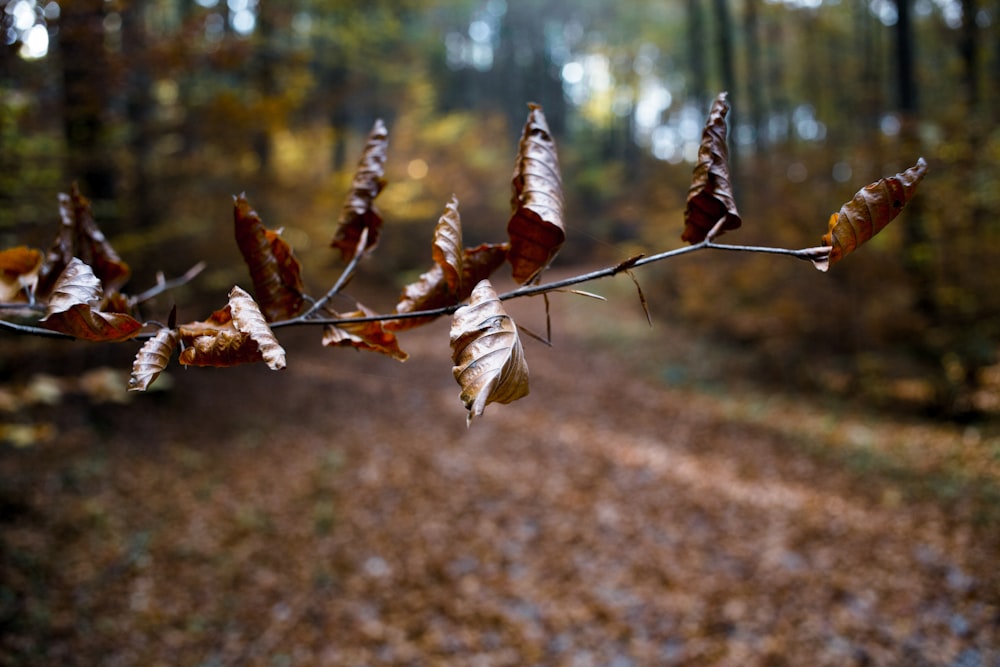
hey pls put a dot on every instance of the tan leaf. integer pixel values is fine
(276, 274)
(248, 319)
(370, 336)
(489, 360)
(73, 308)
(237, 334)
(447, 250)
(872, 208)
(431, 290)
(19, 269)
(152, 358)
(359, 210)
(535, 228)
(710, 197)
(79, 236)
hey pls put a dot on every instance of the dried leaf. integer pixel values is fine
(710, 197)
(489, 360)
(872, 208)
(536, 225)
(237, 334)
(73, 308)
(359, 210)
(152, 358)
(249, 320)
(431, 290)
(19, 269)
(80, 237)
(447, 249)
(370, 336)
(276, 274)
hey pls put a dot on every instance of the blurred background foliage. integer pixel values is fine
(162, 109)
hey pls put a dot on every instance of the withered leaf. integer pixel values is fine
(432, 291)
(73, 308)
(152, 358)
(359, 210)
(237, 334)
(371, 336)
(276, 274)
(447, 250)
(535, 228)
(710, 197)
(872, 208)
(19, 269)
(79, 236)
(489, 360)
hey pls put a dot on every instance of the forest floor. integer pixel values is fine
(341, 513)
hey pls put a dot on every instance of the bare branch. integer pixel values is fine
(164, 285)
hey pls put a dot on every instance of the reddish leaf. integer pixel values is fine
(80, 237)
(489, 359)
(536, 225)
(18, 273)
(431, 290)
(371, 336)
(872, 208)
(237, 334)
(73, 308)
(152, 358)
(359, 210)
(447, 250)
(275, 272)
(710, 197)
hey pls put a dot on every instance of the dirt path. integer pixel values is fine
(340, 513)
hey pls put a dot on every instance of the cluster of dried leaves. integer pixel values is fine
(77, 283)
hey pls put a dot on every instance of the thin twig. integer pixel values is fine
(34, 331)
(164, 285)
(636, 261)
(817, 252)
(342, 280)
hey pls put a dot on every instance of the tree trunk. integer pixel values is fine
(698, 84)
(143, 210)
(86, 98)
(755, 89)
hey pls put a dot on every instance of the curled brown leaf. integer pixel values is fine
(74, 308)
(359, 210)
(371, 336)
(447, 249)
(710, 197)
(79, 236)
(237, 334)
(248, 319)
(152, 358)
(431, 290)
(535, 228)
(489, 360)
(276, 274)
(869, 211)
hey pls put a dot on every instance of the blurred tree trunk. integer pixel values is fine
(87, 84)
(698, 84)
(727, 73)
(755, 82)
(143, 211)
(870, 98)
(968, 47)
(264, 80)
